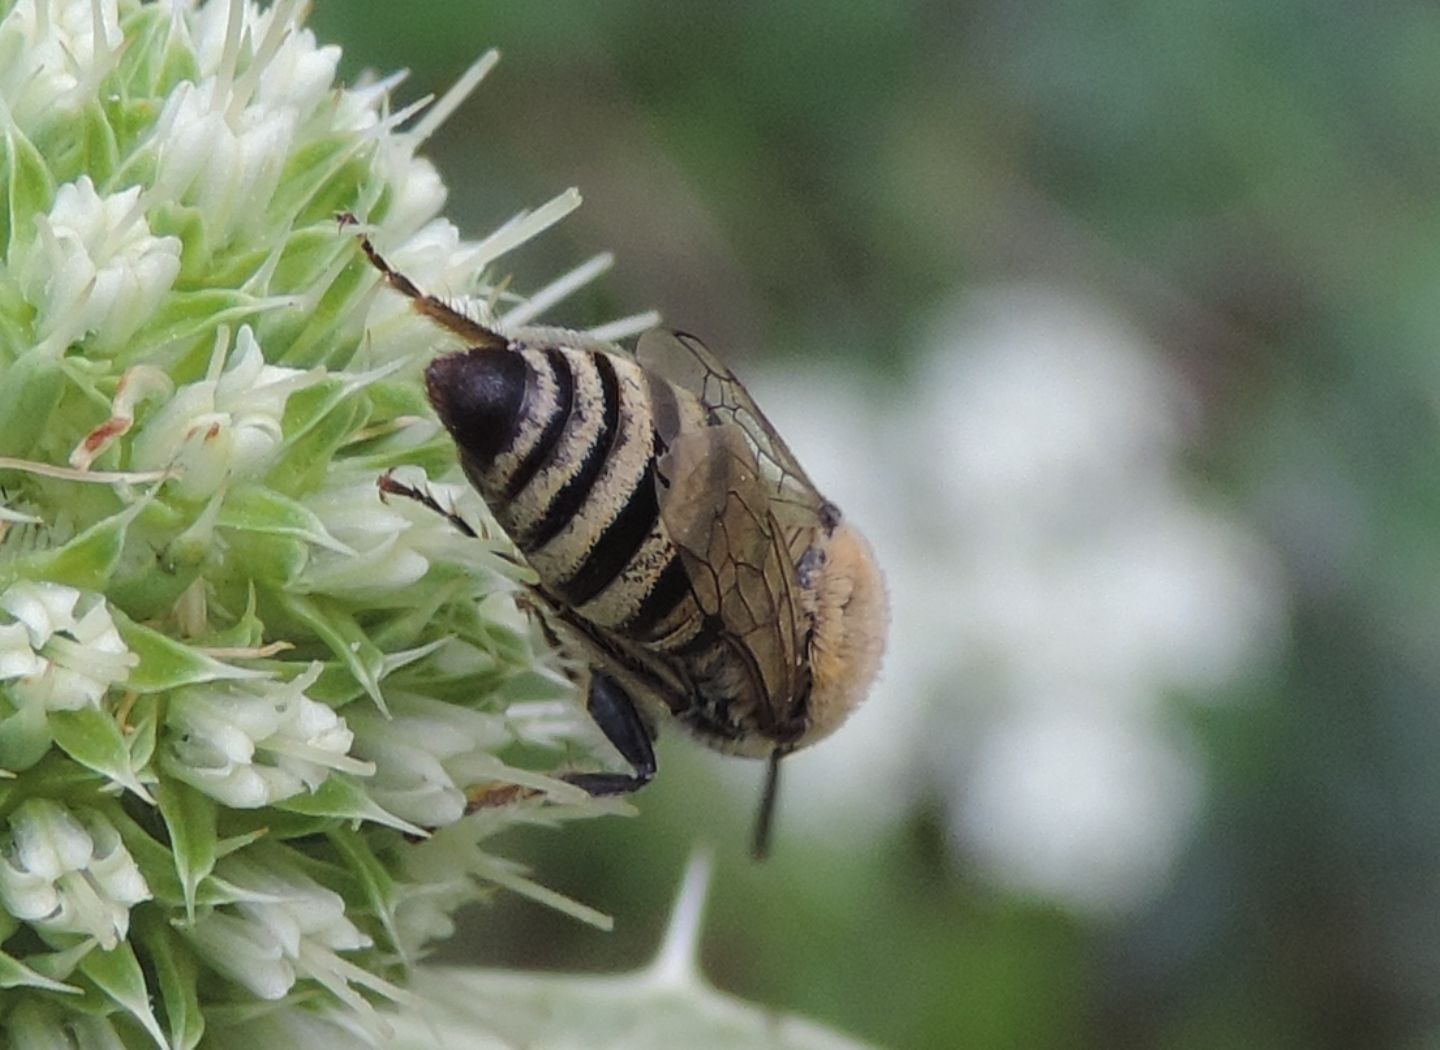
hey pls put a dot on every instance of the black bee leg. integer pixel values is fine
(614, 712)
(388, 486)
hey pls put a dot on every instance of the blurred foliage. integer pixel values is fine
(1257, 184)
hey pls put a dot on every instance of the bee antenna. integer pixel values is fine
(765, 818)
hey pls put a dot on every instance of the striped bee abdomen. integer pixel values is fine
(561, 444)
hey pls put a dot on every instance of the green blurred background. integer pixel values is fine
(875, 208)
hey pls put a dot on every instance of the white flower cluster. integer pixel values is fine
(94, 267)
(61, 651)
(52, 58)
(224, 428)
(281, 927)
(250, 744)
(425, 754)
(222, 140)
(65, 870)
(208, 607)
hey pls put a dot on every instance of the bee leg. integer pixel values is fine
(473, 332)
(614, 712)
(388, 486)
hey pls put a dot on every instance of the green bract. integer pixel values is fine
(240, 697)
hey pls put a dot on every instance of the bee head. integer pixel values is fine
(846, 643)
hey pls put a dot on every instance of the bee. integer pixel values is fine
(682, 553)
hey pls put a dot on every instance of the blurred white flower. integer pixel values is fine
(1087, 584)
(1040, 405)
(62, 652)
(1076, 802)
(1054, 578)
(66, 871)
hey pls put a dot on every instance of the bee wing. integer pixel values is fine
(742, 513)
(736, 554)
(683, 360)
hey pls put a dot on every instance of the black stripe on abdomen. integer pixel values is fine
(572, 495)
(534, 459)
(671, 588)
(618, 544)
